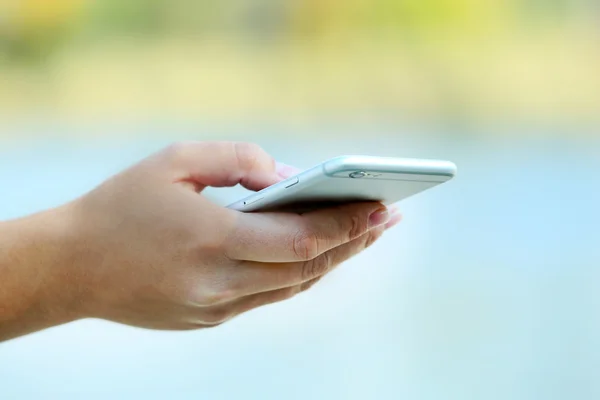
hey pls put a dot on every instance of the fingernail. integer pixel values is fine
(379, 217)
(285, 171)
(394, 220)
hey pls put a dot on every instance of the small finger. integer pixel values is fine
(224, 312)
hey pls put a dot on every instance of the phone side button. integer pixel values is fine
(252, 201)
(291, 182)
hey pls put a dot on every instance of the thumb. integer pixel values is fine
(221, 164)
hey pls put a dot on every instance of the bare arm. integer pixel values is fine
(34, 283)
(145, 248)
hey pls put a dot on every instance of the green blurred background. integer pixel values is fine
(459, 61)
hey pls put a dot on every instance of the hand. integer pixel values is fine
(146, 249)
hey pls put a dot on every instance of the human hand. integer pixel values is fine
(146, 249)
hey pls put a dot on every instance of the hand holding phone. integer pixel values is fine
(350, 179)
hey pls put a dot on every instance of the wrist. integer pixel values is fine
(36, 276)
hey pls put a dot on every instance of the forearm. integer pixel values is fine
(34, 283)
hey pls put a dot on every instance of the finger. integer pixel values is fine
(222, 164)
(286, 171)
(395, 219)
(256, 277)
(219, 314)
(287, 237)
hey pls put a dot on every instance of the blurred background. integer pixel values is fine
(489, 288)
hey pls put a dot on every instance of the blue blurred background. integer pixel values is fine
(487, 290)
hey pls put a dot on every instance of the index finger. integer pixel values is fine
(286, 237)
(222, 164)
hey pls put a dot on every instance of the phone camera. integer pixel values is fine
(358, 174)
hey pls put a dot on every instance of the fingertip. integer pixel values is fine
(285, 171)
(266, 178)
(394, 220)
(379, 217)
(260, 181)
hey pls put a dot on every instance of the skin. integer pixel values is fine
(145, 248)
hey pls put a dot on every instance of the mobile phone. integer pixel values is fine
(349, 179)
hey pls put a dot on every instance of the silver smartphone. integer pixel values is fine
(349, 179)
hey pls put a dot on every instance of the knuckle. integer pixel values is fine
(191, 326)
(208, 246)
(283, 295)
(209, 325)
(247, 154)
(306, 245)
(356, 227)
(372, 237)
(309, 284)
(215, 297)
(316, 267)
(177, 150)
(292, 293)
(289, 293)
(216, 316)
